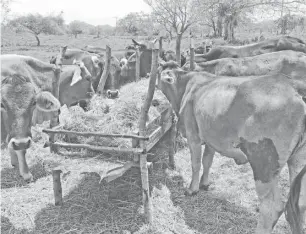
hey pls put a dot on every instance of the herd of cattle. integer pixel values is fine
(245, 102)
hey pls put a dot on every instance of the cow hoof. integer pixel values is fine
(27, 177)
(204, 187)
(241, 161)
(188, 192)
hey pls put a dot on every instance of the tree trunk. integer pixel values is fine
(37, 39)
(226, 23)
(178, 48)
(219, 27)
(214, 27)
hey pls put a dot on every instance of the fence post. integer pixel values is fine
(106, 70)
(57, 187)
(137, 67)
(54, 121)
(147, 203)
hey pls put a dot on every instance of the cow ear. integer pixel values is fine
(76, 76)
(46, 102)
(95, 61)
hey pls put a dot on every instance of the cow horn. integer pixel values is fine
(135, 42)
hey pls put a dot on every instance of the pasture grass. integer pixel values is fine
(91, 206)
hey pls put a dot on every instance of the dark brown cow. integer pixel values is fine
(259, 119)
(276, 62)
(95, 65)
(169, 55)
(128, 69)
(26, 85)
(267, 46)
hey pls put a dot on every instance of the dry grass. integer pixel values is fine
(93, 207)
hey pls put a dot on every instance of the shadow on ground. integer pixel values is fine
(116, 207)
(10, 177)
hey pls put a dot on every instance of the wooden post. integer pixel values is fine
(147, 203)
(57, 187)
(108, 54)
(160, 46)
(54, 121)
(191, 47)
(172, 141)
(137, 76)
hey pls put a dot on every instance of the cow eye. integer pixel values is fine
(34, 103)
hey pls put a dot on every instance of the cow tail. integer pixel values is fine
(292, 211)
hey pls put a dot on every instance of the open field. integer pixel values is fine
(92, 207)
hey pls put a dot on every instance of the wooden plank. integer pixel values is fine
(165, 115)
(98, 148)
(97, 134)
(158, 134)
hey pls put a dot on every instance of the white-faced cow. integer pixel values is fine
(255, 119)
(267, 46)
(95, 65)
(26, 84)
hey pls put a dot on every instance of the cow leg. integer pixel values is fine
(207, 160)
(23, 166)
(271, 205)
(295, 165)
(264, 159)
(195, 152)
(14, 159)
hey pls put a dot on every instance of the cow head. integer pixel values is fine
(81, 73)
(19, 98)
(169, 74)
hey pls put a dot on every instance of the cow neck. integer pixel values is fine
(44, 72)
(182, 81)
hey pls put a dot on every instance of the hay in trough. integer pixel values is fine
(120, 116)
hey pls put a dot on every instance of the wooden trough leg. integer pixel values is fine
(57, 187)
(146, 198)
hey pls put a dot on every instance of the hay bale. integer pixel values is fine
(118, 117)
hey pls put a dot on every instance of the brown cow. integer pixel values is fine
(26, 85)
(95, 65)
(267, 46)
(259, 119)
(280, 62)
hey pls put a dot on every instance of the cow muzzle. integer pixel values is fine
(20, 144)
(111, 94)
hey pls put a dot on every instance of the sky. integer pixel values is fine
(91, 11)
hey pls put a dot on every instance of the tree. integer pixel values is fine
(35, 24)
(176, 15)
(75, 28)
(5, 10)
(136, 23)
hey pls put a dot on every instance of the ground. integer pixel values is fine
(91, 206)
